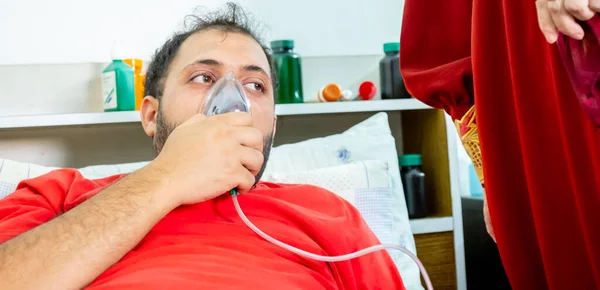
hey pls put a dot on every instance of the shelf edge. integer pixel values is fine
(432, 225)
(100, 118)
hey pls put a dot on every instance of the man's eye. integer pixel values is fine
(255, 87)
(203, 79)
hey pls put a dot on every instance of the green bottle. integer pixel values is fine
(289, 72)
(117, 85)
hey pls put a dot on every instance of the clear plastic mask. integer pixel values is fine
(227, 95)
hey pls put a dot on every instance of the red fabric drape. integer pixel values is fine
(582, 63)
(541, 154)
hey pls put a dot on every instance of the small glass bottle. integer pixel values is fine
(413, 182)
(289, 72)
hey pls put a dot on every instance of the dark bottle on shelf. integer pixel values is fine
(413, 182)
(392, 84)
(289, 72)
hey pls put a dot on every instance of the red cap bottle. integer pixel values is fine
(367, 91)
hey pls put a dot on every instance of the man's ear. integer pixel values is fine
(274, 125)
(148, 114)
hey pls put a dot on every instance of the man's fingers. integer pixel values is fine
(249, 137)
(564, 22)
(579, 9)
(251, 159)
(196, 118)
(545, 21)
(236, 118)
(246, 180)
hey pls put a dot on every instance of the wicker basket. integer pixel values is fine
(467, 130)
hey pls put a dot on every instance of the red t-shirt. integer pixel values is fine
(207, 246)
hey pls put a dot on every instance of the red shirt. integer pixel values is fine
(207, 246)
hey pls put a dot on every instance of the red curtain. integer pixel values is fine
(540, 153)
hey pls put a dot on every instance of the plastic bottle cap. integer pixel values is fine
(410, 160)
(331, 93)
(391, 47)
(134, 62)
(116, 51)
(284, 43)
(347, 95)
(367, 90)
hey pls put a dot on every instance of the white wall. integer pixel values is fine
(75, 88)
(82, 31)
(333, 27)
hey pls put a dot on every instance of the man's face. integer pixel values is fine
(202, 59)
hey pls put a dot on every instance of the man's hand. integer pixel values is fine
(556, 16)
(206, 157)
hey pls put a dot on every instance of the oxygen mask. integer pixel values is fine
(227, 95)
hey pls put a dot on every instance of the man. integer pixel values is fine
(169, 225)
(487, 64)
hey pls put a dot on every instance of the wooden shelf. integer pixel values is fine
(33, 121)
(431, 225)
(424, 132)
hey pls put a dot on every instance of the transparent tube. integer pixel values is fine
(327, 258)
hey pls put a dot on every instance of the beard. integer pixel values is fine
(164, 129)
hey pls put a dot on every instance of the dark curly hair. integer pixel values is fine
(232, 18)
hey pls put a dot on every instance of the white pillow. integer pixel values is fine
(369, 140)
(342, 180)
(13, 172)
(367, 185)
(101, 171)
